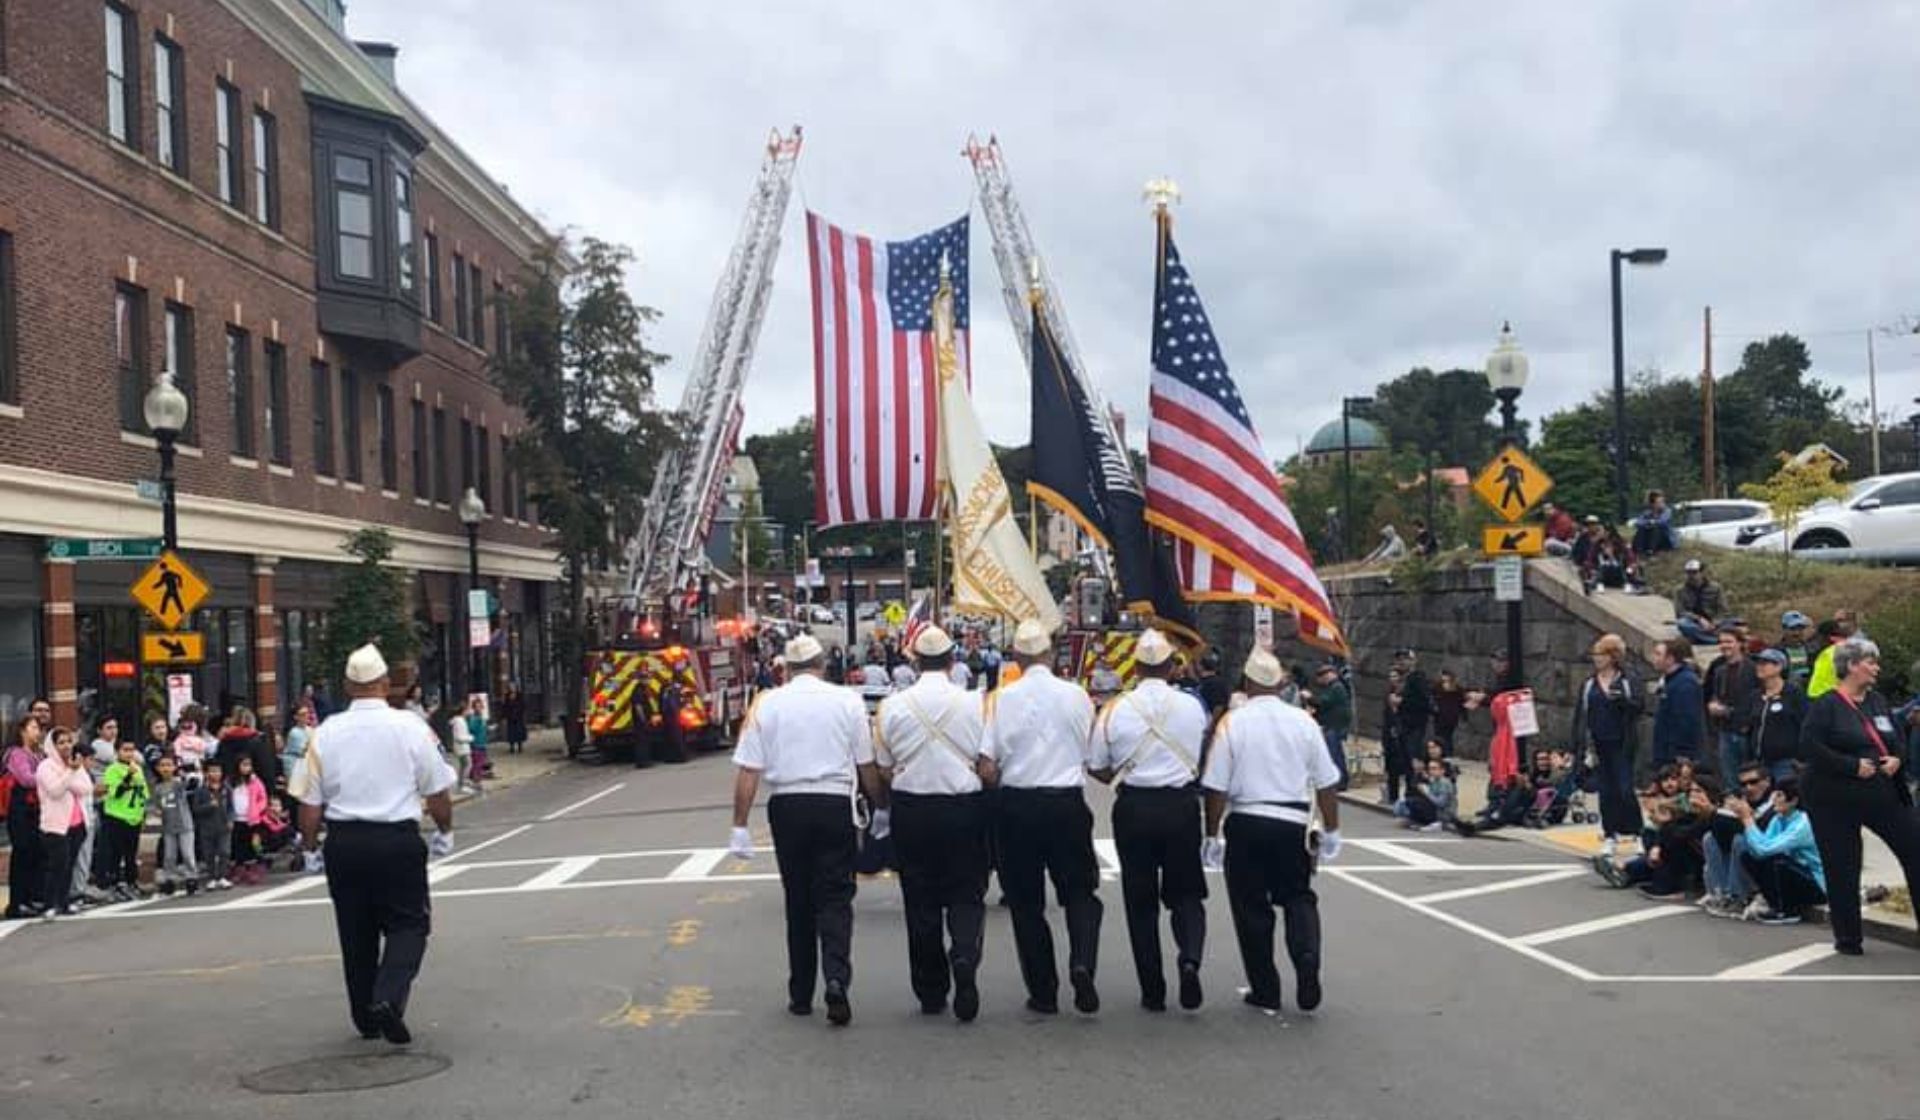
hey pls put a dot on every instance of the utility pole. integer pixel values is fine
(1706, 407)
(1873, 401)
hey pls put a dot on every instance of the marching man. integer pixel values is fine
(1268, 766)
(810, 741)
(1148, 740)
(1037, 735)
(928, 746)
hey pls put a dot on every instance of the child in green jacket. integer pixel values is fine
(123, 812)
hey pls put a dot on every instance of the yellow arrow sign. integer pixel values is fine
(1513, 540)
(1512, 484)
(185, 648)
(169, 590)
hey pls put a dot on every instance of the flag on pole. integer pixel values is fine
(876, 392)
(1209, 481)
(918, 619)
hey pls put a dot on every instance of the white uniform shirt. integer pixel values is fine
(1137, 727)
(960, 675)
(923, 734)
(806, 736)
(903, 677)
(1265, 751)
(372, 762)
(1037, 730)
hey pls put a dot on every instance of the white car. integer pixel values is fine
(820, 614)
(1878, 512)
(1721, 521)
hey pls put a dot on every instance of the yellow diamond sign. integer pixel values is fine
(1512, 484)
(169, 590)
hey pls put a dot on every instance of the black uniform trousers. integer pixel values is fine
(1049, 833)
(1157, 833)
(27, 868)
(1839, 809)
(377, 877)
(814, 844)
(941, 841)
(1267, 866)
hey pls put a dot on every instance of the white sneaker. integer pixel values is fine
(223, 884)
(1432, 826)
(1754, 909)
(1609, 847)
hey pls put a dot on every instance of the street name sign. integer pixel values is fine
(169, 591)
(110, 548)
(1512, 484)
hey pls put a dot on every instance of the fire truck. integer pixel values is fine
(652, 697)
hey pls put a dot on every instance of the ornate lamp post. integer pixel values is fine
(166, 414)
(472, 512)
(1507, 376)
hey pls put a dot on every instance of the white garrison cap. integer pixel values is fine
(1032, 639)
(932, 642)
(1263, 669)
(365, 665)
(1153, 648)
(802, 648)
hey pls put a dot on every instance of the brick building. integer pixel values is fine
(234, 193)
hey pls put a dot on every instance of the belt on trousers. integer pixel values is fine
(373, 826)
(1186, 791)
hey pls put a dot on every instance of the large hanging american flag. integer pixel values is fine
(1209, 481)
(876, 391)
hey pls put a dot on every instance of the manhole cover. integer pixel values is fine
(346, 1073)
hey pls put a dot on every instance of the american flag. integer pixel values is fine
(918, 619)
(1209, 481)
(876, 391)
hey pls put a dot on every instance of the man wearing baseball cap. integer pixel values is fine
(810, 742)
(1037, 735)
(1267, 769)
(1782, 707)
(365, 772)
(1798, 642)
(1698, 605)
(1148, 740)
(927, 741)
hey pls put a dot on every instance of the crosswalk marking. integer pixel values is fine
(556, 876)
(1553, 876)
(699, 865)
(1599, 925)
(1767, 968)
(1395, 850)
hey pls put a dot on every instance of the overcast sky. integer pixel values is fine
(1368, 186)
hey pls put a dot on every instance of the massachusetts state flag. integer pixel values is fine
(876, 391)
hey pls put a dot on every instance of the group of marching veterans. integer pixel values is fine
(963, 782)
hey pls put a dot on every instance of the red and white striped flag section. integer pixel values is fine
(1209, 481)
(876, 392)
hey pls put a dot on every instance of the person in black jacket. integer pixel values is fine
(1850, 747)
(1679, 720)
(1605, 720)
(1780, 707)
(1416, 701)
(1730, 686)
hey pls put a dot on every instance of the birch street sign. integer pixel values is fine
(1512, 484)
(109, 548)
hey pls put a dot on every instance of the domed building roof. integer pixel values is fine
(1367, 436)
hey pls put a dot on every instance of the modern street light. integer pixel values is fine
(1348, 407)
(1507, 375)
(1648, 258)
(166, 413)
(472, 512)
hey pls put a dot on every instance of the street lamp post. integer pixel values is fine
(1507, 376)
(1648, 257)
(166, 413)
(472, 512)
(1348, 406)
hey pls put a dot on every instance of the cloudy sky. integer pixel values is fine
(1368, 186)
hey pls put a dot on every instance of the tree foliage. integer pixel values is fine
(1441, 414)
(369, 605)
(1791, 490)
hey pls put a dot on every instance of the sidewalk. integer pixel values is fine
(1877, 868)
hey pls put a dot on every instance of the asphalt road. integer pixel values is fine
(595, 955)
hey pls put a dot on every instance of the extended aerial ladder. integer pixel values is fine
(667, 554)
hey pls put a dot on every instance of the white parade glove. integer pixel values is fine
(1213, 853)
(313, 863)
(882, 824)
(1330, 845)
(441, 846)
(740, 844)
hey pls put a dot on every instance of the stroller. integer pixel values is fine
(1553, 804)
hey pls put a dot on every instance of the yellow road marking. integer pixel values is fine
(682, 1003)
(195, 973)
(683, 933)
(718, 898)
(600, 935)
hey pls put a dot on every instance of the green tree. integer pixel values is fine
(784, 459)
(369, 605)
(1790, 491)
(752, 530)
(580, 371)
(1445, 415)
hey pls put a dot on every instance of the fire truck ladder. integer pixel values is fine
(666, 554)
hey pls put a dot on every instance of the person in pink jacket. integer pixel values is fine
(65, 787)
(248, 810)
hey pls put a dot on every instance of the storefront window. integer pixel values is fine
(19, 660)
(107, 656)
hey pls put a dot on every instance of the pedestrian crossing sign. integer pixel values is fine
(1512, 484)
(169, 591)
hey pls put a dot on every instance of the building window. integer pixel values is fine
(322, 419)
(506, 477)
(240, 390)
(353, 215)
(440, 455)
(479, 335)
(421, 487)
(179, 365)
(279, 431)
(500, 322)
(9, 325)
(432, 270)
(169, 105)
(383, 425)
(403, 230)
(226, 144)
(350, 423)
(466, 455)
(460, 319)
(130, 353)
(266, 169)
(123, 77)
(483, 468)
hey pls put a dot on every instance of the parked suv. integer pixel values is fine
(1720, 521)
(1878, 512)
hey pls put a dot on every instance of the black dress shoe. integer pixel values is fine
(1190, 995)
(966, 995)
(1261, 1004)
(1849, 949)
(798, 1007)
(1040, 1008)
(383, 1018)
(1086, 999)
(839, 1011)
(1309, 997)
(933, 1007)
(1154, 1003)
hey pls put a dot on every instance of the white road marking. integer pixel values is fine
(1455, 868)
(1600, 925)
(1504, 885)
(1465, 926)
(11, 926)
(248, 901)
(440, 872)
(1393, 850)
(484, 844)
(699, 865)
(556, 876)
(1767, 968)
(584, 802)
(1108, 853)
(1790, 978)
